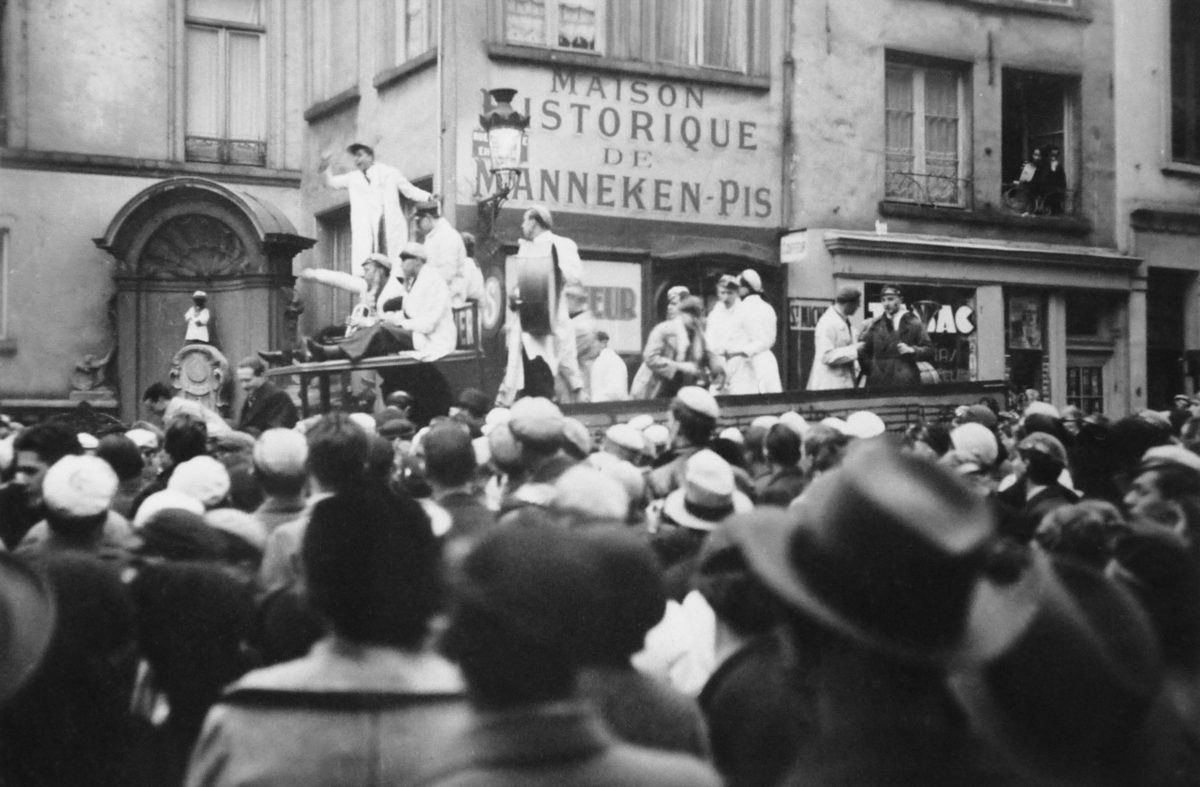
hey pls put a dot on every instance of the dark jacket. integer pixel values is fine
(781, 488)
(268, 408)
(882, 362)
(559, 744)
(1019, 518)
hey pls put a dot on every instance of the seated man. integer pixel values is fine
(425, 321)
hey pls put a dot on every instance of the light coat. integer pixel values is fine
(835, 353)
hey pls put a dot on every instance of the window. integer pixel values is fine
(1085, 385)
(411, 29)
(1185, 81)
(226, 94)
(1038, 143)
(924, 109)
(3, 76)
(725, 34)
(331, 305)
(333, 28)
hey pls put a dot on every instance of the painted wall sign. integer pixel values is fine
(614, 297)
(641, 147)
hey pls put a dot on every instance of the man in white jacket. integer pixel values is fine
(378, 224)
(425, 323)
(759, 319)
(835, 351)
(553, 355)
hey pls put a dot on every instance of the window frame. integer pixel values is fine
(1072, 156)
(1172, 158)
(395, 28)
(5, 283)
(759, 34)
(225, 142)
(964, 169)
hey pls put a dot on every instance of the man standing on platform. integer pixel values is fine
(893, 343)
(760, 321)
(834, 348)
(535, 361)
(445, 247)
(378, 224)
(266, 407)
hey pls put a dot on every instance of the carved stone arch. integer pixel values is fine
(185, 234)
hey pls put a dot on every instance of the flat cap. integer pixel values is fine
(536, 419)
(699, 401)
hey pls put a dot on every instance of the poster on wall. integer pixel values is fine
(614, 298)
(949, 314)
(1025, 322)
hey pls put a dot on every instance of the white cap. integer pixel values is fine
(161, 501)
(79, 487)
(864, 424)
(202, 477)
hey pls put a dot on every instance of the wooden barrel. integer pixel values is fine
(540, 284)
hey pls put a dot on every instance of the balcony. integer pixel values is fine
(1022, 200)
(918, 188)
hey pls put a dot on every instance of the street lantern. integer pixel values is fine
(505, 128)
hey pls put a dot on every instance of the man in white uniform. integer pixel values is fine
(759, 320)
(377, 221)
(556, 351)
(447, 252)
(834, 349)
(727, 335)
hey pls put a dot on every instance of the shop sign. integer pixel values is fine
(627, 146)
(949, 315)
(614, 292)
(793, 247)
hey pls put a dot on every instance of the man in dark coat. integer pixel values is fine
(893, 343)
(266, 407)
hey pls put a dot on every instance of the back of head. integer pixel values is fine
(77, 491)
(185, 438)
(633, 593)
(584, 494)
(824, 446)
(372, 567)
(51, 441)
(783, 446)
(449, 455)
(337, 451)
(280, 458)
(525, 614)
(1084, 531)
(122, 455)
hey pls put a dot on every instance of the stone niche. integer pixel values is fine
(186, 234)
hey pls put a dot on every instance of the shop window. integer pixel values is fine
(1038, 156)
(226, 86)
(1185, 81)
(925, 135)
(333, 30)
(410, 29)
(725, 34)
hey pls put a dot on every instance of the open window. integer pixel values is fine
(1039, 157)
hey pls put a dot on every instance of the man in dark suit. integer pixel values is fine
(266, 407)
(893, 343)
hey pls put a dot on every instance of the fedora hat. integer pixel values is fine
(889, 550)
(27, 615)
(708, 495)
(1075, 699)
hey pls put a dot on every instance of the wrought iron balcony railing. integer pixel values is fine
(926, 189)
(1025, 200)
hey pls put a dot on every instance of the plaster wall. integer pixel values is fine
(59, 284)
(95, 77)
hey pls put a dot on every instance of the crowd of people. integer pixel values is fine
(507, 596)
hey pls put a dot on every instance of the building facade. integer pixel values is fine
(913, 123)
(1157, 88)
(822, 144)
(149, 149)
